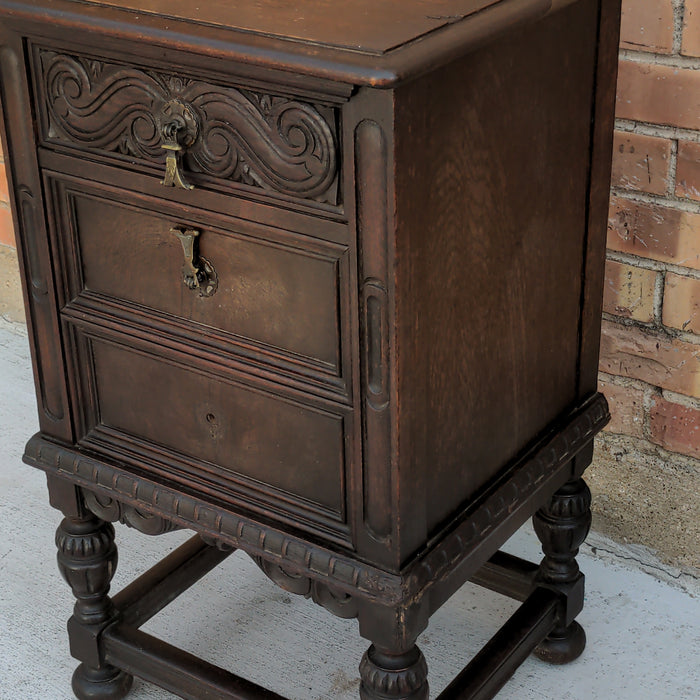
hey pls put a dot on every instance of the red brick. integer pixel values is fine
(659, 94)
(641, 162)
(682, 303)
(629, 291)
(647, 25)
(7, 232)
(655, 232)
(675, 427)
(4, 193)
(626, 408)
(688, 170)
(669, 363)
(691, 28)
(2, 157)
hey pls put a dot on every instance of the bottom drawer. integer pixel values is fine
(218, 435)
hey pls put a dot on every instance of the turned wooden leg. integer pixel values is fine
(387, 676)
(87, 559)
(562, 526)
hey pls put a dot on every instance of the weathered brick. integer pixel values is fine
(653, 231)
(669, 363)
(2, 155)
(647, 25)
(640, 162)
(682, 303)
(688, 170)
(659, 94)
(7, 232)
(629, 291)
(626, 408)
(675, 427)
(4, 194)
(691, 28)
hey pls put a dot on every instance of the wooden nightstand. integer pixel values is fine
(322, 282)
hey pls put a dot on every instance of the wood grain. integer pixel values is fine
(392, 372)
(372, 26)
(289, 60)
(490, 244)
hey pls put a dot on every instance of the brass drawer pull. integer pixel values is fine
(179, 130)
(198, 272)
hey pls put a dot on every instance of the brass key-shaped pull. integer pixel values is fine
(179, 130)
(173, 176)
(197, 271)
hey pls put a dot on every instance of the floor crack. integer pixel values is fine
(637, 560)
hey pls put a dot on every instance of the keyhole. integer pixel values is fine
(214, 428)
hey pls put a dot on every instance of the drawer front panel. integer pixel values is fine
(281, 291)
(217, 432)
(220, 135)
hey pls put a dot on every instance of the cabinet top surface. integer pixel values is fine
(361, 42)
(369, 26)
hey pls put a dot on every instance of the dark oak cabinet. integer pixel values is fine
(321, 282)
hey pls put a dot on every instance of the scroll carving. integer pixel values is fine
(335, 601)
(275, 143)
(112, 510)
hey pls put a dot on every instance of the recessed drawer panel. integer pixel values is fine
(215, 431)
(263, 290)
(189, 131)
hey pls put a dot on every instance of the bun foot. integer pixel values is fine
(107, 683)
(562, 646)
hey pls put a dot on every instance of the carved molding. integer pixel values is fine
(371, 192)
(524, 481)
(35, 256)
(82, 543)
(562, 525)
(301, 558)
(113, 511)
(335, 601)
(571, 502)
(275, 143)
(87, 560)
(404, 677)
(295, 554)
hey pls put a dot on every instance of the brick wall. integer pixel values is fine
(7, 236)
(650, 353)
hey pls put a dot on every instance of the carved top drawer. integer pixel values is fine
(189, 131)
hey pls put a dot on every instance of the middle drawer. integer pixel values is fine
(262, 294)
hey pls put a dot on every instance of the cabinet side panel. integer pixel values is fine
(32, 240)
(492, 191)
(606, 79)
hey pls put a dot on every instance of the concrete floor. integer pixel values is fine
(642, 620)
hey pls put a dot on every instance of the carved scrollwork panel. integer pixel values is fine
(104, 106)
(112, 511)
(275, 143)
(335, 601)
(270, 142)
